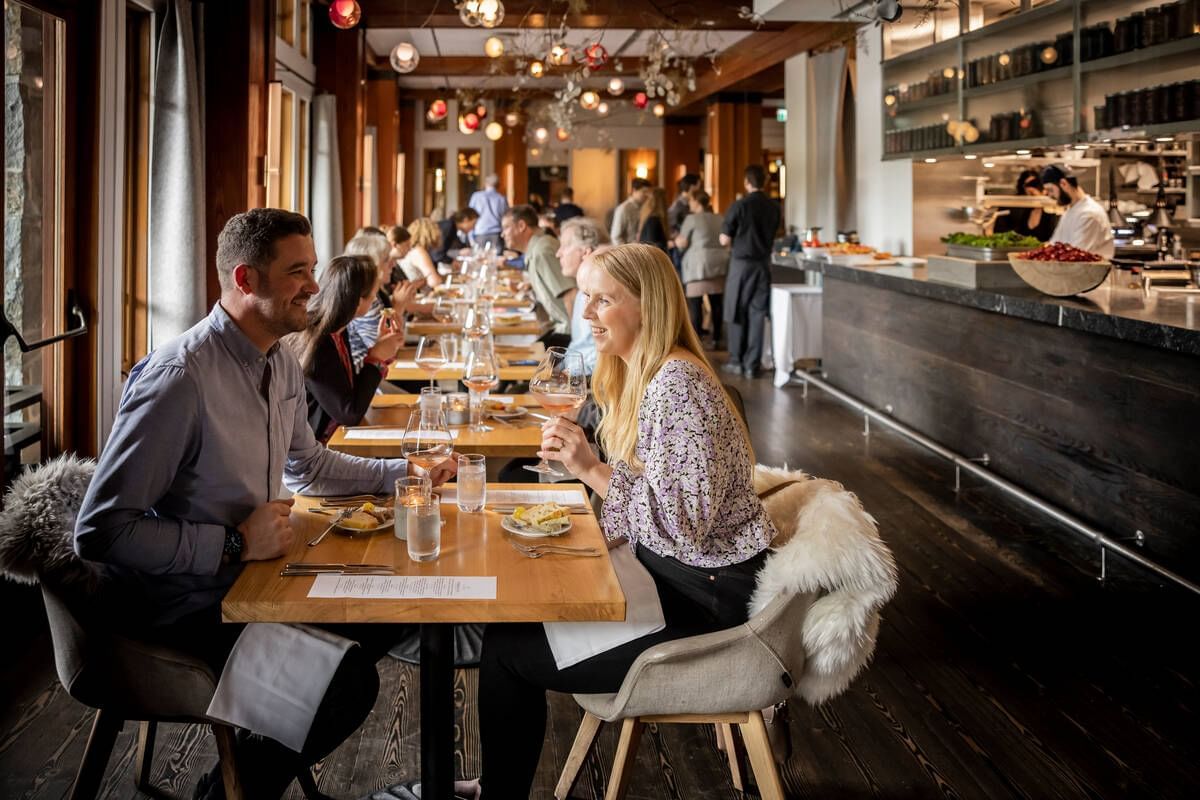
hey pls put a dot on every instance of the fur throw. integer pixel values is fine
(830, 546)
(37, 525)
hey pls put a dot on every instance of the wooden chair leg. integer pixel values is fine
(735, 755)
(105, 727)
(627, 744)
(147, 730)
(229, 770)
(762, 759)
(308, 785)
(585, 739)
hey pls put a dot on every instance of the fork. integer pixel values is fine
(537, 551)
(343, 515)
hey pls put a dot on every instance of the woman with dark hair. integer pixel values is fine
(337, 393)
(652, 226)
(1028, 221)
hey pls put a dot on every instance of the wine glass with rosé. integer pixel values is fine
(481, 373)
(561, 384)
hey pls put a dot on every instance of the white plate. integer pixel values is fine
(513, 526)
(350, 531)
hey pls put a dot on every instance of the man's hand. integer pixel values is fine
(268, 531)
(443, 471)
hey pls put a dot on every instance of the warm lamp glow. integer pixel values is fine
(562, 134)
(602, 109)
(493, 47)
(494, 131)
(640, 99)
(559, 55)
(405, 58)
(642, 171)
(537, 69)
(541, 134)
(589, 100)
(659, 109)
(616, 86)
(344, 14)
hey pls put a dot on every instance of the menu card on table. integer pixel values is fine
(403, 587)
(382, 433)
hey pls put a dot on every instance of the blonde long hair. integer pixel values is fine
(619, 387)
(424, 232)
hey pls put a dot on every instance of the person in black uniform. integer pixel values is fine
(1033, 222)
(750, 225)
(566, 208)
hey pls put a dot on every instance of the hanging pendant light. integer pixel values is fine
(640, 99)
(562, 134)
(468, 12)
(438, 110)
(595, 55)
(405, 58)
(602, 109)
(616, 86)
(659, 109)
(537, 69)
(491, 13)
(494, 131)
(512, 119)
(559, 55)
(493, 47)
(541, 134)
(589, 100)
(344, 14)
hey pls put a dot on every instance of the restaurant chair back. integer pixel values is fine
(814, 618)
(122, 678)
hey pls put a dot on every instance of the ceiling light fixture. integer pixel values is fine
(404, 58)
(616, 86)
(344, 14)
(494, 131)
(493, 47)
(888, 10)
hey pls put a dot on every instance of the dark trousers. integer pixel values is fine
(747, 301)
(265, 766)
(518, 667)
(696, 312)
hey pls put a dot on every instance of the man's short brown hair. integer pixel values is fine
(250, 237)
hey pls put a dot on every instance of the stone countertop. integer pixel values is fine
(1165, 321)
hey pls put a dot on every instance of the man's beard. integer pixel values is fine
(1063, 198)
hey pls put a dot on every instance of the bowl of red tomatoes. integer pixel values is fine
(1058, 269)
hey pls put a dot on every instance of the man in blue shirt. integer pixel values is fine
(211, 425)
(492, 206)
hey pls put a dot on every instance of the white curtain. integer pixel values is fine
(326, 180)
(177, 254)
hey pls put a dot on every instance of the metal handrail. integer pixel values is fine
(7, 329)
(970, 465)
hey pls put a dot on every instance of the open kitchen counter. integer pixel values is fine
(1167, 321)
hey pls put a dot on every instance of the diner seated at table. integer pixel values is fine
(394, 292)
(454, 234)
(677, 486)
(339, 393)
(417, 263)
(211, 426)
(581, 237)
(553, 290)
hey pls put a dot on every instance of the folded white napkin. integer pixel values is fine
(275, 679)
(572, 642)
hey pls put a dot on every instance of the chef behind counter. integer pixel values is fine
(1085, 223)
(1034, 221)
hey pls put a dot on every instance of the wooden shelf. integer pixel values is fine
(1058, 73)
(1144, 131)
(925, 102)
(1020, 144)
(1142, 55)
(922, 52)
(1016, 20)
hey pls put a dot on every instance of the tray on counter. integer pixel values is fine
(982, 253)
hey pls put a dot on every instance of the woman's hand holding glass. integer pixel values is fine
(563, 440)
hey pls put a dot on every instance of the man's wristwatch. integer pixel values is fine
(234, 544)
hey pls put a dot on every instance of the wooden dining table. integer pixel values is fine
(553, 588)
(500, 327)
(519, 438)
(405, 368)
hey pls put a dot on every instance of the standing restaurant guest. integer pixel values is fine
(566, 207)
(626, 222)
(1034, 221)
(677, 484)
(652, 220)
(492, 206)
(581, 238)
(750, 226)
(553, 290)
(681, 207)
(454, 234)
(1084, 224)
(417, 262)
(705, 262)
(339, 393)
(210, 426)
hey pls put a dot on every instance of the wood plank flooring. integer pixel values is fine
(1004, 669)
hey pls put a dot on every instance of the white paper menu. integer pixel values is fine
(403, 587)
(382, 433)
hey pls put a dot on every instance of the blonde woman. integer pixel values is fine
(677, 485)
(417, 262)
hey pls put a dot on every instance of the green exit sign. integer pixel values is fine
(781, 115)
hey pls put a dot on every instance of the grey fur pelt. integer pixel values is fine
(37, 525)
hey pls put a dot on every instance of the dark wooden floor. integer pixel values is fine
(1004, 669)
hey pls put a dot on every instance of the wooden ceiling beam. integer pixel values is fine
(481, 66)
(600, 14)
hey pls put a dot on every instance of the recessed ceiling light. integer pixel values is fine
(970, 156)
(931, 161)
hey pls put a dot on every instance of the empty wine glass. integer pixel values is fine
(478, 322)
(481, 373)
(427, 441)
(443, 309)
(430, 356)
(561, 384)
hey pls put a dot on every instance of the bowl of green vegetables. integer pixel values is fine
(994, 247)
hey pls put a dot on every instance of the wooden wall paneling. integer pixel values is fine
(409, 115)
(1094, 425)
(510, 161)
(340, 58)
(681, 151)
(735, 142)
(239, 62)
(383, 111)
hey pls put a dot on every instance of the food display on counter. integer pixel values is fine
(848, 249)
(1006, 239)
(1059, 269)
(1059, 251)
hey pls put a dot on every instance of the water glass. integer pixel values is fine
(472, 482)
(409, 491)
(425, 529)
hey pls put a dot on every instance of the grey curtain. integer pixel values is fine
(827, 189)
(177, 253)
(326, 180)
